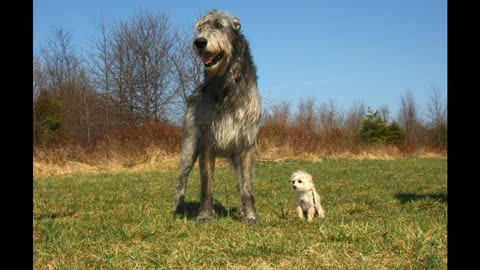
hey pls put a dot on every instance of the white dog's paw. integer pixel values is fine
(321, 213)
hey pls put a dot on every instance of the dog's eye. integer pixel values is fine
(218, 25)
(199, 29)
(300, 181)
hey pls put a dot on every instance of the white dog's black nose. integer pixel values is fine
(294, 188)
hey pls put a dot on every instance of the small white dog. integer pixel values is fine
(307, 200)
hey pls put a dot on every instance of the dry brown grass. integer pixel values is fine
(152, 159)
(66, 160)
(156, 147)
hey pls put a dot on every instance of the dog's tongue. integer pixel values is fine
(207, 59)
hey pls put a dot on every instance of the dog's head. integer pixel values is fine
(215, 36)
(301, 181)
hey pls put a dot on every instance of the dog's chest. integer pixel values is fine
(223, 121)
(226, 130)
(304, 200)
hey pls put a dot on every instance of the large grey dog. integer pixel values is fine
(222, 117)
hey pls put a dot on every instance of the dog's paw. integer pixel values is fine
(321, 213)
(179, 210)
(204, 219)
(249, 220)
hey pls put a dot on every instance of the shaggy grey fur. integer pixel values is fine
(222, 117)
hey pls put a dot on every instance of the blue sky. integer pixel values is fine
(337, 50)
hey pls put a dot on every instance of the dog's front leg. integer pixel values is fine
(207, 166)
(188, 156)
(245, 169)
(311, 214)
(300, 212)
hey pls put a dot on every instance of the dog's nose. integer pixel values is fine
(294, 188)
(201, 43)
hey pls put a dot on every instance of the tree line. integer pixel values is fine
(362, 124)
(140, 71)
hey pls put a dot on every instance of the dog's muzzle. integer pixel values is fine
(211, 59)
(200, 43)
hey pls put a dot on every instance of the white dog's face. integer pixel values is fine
(301, 181)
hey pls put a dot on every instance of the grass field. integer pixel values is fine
(379, 215)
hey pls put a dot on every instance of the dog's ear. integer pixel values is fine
(236, 24)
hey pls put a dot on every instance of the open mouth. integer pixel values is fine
(210, 60)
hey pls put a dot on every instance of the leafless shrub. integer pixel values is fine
(354, 117)
(408, 118)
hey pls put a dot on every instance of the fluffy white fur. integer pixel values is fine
(307, 200)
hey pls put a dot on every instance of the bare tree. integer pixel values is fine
(60, 62)
(278, 114)
(306, 114)
(134, 66)
(61, 70)
(38, 86)
(408, 117)
(330, 117)
(85, 106)
(437, 115)
(384, 113)
(152, 45)
(437, 107)
(69, 105)
(354, 117)
(120, 69)
(38, 78)
(187, 65)
(101, 69)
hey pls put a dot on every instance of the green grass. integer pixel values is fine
(379, 215)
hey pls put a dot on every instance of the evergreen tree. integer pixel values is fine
(375, 130)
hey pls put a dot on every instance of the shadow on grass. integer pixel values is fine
(53, 215)
(411, 197)
(193, 209)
